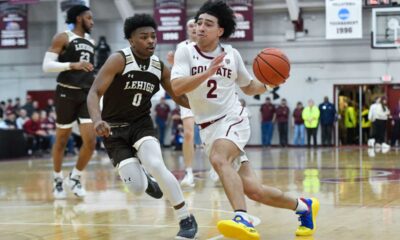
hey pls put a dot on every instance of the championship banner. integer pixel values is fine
(23, 1)
(13, 26)
(62, 7)
(170, 16)
(343, 19)
(244, 19)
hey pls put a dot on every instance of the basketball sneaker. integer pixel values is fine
(238, 228)
(58, 189)
(76, 186)
(308, 218)
(187, 228)
(188, 180)
(153, 189)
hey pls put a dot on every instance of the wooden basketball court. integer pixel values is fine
(359, 195)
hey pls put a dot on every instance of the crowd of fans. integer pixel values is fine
(38, 124)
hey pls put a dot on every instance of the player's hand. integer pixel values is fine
(102, 128)
(170, 57)
(82, 65)
(215, 64)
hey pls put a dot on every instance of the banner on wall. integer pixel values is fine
(23, 1)
(62, 7)
(13, 26)
(343, 19)
(170, 16)
(244, 19)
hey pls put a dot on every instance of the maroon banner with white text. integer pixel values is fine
(170, 16)
(23, 1)
(13, 26)
(244, 19)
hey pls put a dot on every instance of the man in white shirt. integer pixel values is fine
(208, 72)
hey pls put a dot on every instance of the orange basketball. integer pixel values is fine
(271, 66)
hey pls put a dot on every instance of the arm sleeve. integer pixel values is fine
(244, 78)
(181, 66)
(51, 63)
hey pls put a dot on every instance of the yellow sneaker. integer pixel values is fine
(308, 218)
(238, 228)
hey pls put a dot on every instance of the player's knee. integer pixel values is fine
(218, 161)
(188, 135)
(132, 175)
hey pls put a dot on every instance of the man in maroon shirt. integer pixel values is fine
(298, 123)
(267, 122)
(162, 113)
(36, 136)
(282, 118)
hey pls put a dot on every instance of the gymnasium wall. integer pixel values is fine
(317, 64)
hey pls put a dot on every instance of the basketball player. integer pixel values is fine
(128, 80)
(72, 54)
(187, 116)
(208, 72)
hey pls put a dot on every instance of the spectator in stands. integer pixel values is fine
(49, 125)
(310, 116)
(2, 109)
(298, 123)
(267, 122)
(10, 105)
(350, 122)
(365, 124)
(28, 106)
(162, 113)
(282, 118)
(9, 121)
(36, 107)
(396, 124)
(36, 136)
(103, 50)
(17, 105)
(327, 119)
(50, 106)
(176, 118)
(23, 117)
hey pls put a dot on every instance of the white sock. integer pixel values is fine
(76, 173)
(182, 212)
(189, 171)
(301, 206)
(58, 174)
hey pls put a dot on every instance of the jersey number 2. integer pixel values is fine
(137, 99)
(213, 85)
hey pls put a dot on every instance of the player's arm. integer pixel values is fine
(181, 80)
(51, 63)
(255, 87)
(114, 65)
(166, 84)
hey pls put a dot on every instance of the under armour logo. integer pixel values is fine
(130, 75)
(195, 57)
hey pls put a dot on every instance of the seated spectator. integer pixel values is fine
(50, 106)
(23, 117)
(49, 125)
(36, 136)
(9, 121)
(28, 106)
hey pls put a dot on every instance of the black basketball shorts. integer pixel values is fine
(120, 144)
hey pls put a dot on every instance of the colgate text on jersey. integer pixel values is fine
(225, 72)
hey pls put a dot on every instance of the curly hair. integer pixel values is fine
(138, 21)
(224, 14)
(74, 12)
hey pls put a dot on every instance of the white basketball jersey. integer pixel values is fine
(216, 96)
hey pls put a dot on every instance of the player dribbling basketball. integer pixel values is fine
(207, 72)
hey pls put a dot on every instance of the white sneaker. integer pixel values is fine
(213, 175)
(377, 146)
(76, 186)
(188, 181)
(371, 142)
(58, 189)
(385, 148)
